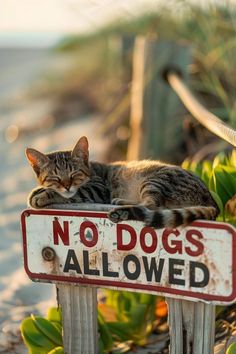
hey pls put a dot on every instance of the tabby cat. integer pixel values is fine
(156, 193)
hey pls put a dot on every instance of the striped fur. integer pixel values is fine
(166, 195)
(93, 191)
(165, 218)
(156, 193)
(66, 177)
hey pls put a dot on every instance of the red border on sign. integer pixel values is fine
(122, 285)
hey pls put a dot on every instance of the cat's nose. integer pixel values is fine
(67, 185)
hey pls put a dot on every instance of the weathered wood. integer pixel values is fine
(156, 112)
(155, 130)
(79, 316)
(83, 206)
(176, 326)
(127, 47)
(192, 327)
(79, 305)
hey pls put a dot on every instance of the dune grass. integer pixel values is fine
(101, 71)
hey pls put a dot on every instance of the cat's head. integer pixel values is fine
(62, 171)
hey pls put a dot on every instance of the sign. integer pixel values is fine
(197, 262)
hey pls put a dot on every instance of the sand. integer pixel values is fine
(19, 296)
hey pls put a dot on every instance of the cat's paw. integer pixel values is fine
(117, 215)
(39, 198)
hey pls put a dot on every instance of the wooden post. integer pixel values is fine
(79, 305)
(156, 112)
(192, 327)
(79, 316)
(127, 56)
(155, 128)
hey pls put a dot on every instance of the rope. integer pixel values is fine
(206, 118)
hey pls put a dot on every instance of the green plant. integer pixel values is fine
(135, 314)
(211, 30)
(220, 177)
(231, 349)
(43, 335)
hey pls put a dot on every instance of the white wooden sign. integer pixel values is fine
(196, 263)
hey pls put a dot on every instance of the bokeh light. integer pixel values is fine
(11, 133)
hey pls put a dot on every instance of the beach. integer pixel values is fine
(19, 296)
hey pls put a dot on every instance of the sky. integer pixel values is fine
(42, 23)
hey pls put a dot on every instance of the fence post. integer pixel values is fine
(79, 316)
(155, 125)
(156, 112)
(192, 327)
(79, 305)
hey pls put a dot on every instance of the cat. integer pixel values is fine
(156, 193)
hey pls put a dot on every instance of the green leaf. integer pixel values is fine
(36, 351)
(220, 159)
(101, 349)
(142, 317)
(123, 306)
(105, 333)
(212, 182)
(225, 182)
(230, 172)
(232, 159)
(48, 330)
(135, 313)
(186, 164)
(193, 166)
(196, 168)
(111, 297)
(54, 314)
(231, 349)
(218, 202)
(219, 310)
(137, 316)
(34, 339)
(206, 172)
(58, 326)
(147, 299)
(121, 329)
(57, 350)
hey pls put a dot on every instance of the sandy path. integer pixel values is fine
(18, 295)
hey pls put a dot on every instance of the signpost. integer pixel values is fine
(85, 248)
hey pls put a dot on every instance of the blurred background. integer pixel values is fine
(70, 68)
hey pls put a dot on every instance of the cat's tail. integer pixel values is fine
(163, 218)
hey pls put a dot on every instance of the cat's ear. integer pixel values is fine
(36, 159)
(81, 150)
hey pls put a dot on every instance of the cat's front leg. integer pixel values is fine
(119, 201)
(43, 197)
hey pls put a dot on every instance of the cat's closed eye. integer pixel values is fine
(79, 176)
(50, 181)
